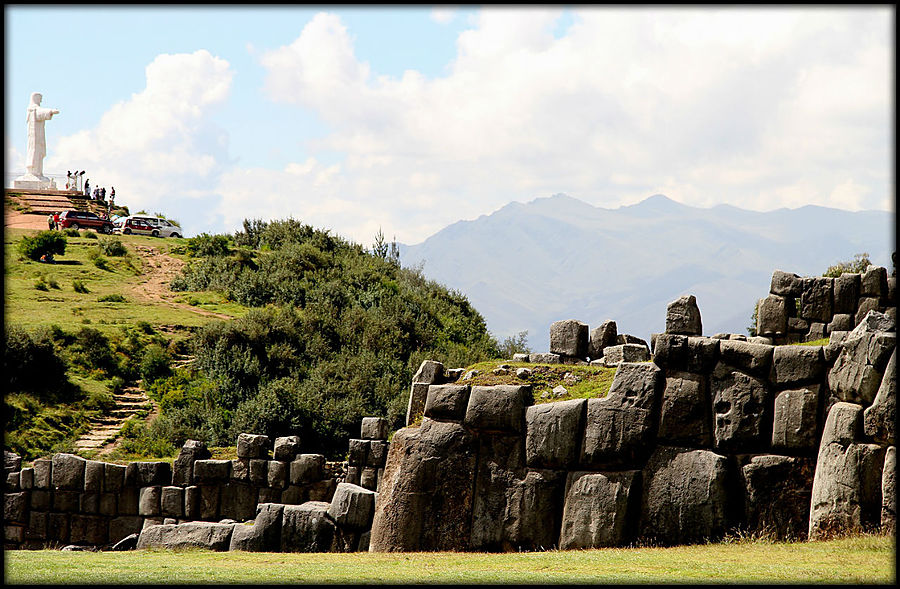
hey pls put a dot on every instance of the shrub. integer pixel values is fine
(79, 286)
(71, 232)
(48, 243)
(858, 264)
(207, 245)
(112, 298)
(112, 246)
(90, 234)
(41, 284)
(155, 364)
(31, 364)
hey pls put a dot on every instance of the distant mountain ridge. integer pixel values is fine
(529, 264)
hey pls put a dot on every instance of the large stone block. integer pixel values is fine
(499, 469)
(625, 353)
(569, 338)
(68, 472)
(777, 492)
(448, 401)
(740, 404)
(846, 293)
(113, 477)
(879, 419)
(258, 472)
(252, 446)
(865, 306)
(846, 491)
(620, 428)
(685, 417)
(306, 528)
(429, 372)
(149, 501)
(684, 496)
(277, 474)
(358, 452)
(238, 501)
(534, 513)
(240, 469)
(209, 501)
(859, 367)
(89, 529)
(602, 337)
(15, 507)
(66, 501)
(352, 507)
(37, 526)
(307, 468)
(374, 428)
(208, 472)
(148, 474)
(685, 353)
(795, 419)
(817, 302)
(427, 488)
(499, 408)
(797, 364)
(755, 359)
(183, 466)
(771, 316)
(377, 455)
(415, 408)
(265, 533)
(889, 492)
(42, 473)
(93, 476)
(840, 322)
(873, 282)
(600, 509)
(208, 535)
(683, 316)
(786, 284)
(286, 448)
(553, 433)
(123, 526)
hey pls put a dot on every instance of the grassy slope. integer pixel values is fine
(865, 559)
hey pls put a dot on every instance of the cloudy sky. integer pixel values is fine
(408, 119)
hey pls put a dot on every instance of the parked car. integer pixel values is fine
(84, 220)
(141, 225)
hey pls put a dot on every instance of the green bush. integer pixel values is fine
(32, 364)
(112, 246)
(71, 232)
(207, 245)
(858, 264)
(50, 243)
(112, 298)
(89, 234)
(78, 286)
(155, 364)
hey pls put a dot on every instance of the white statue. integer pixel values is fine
(37, 145)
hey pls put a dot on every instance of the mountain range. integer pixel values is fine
(527, 265)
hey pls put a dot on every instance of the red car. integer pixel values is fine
(84, 220)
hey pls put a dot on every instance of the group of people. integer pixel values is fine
(72, 179)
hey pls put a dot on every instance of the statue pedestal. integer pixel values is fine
(33, 182)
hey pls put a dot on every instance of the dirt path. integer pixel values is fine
(159, 270)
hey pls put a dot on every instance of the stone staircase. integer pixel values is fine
(44, 202)
(105, 428)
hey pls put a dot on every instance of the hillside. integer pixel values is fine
(527, 265)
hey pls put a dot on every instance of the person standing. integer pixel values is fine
(50, 221)
(56, 220)
(102, 193)
(87, 188)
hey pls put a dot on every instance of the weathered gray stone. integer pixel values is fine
(865, 306)
(817, 302)
(499, 469)
(873, 322)
(846, 293)
(13, 481)
(771, 315)
(816, 331)
(90, 503)
(238, 501)
(685, 353)
(358, 452)
(777, 492)
(620, 428)
(879, 419)
(846, 491)
(600, 509)
(212, 471)
(148, 474)
(520, 358)
(684, 417)
(93, 475)
(306, 528)
(740, 403)
(11, 461)
(626, 353)
(859, 367)
(427, 488)
(127, 501)
(786, 284)
(286, 448)
(107, 504)
(429, 372)
(684, 497)
(294, 495)
(553, 434)
(66, 501)
(277, 474)
(40, 500)
(532, 515)
(499, 408)
(569, 337)
(26, 478)
(183, 465)
(209, 535)
(602, 337)
(265, 533)
(15, 507)
(873, 282)
(68, 472)
(377, 455)
(683, 316)
(42, 473)
(252, 446)
(374, 428)
(267, 495)
(352, 507)
(544, 358)
(37, 526)
(58, 527)
(89, 529)
(368, 478)
(755, 359)
(307, 468)
(798, 325)
(794, 422)
(257, 471)
(149, 501)
(418, 392)
(448, 401)
(889, 492)
(797, 364)
(129, 542)
(240, 469)
(627, 338)
(840, 322)
(209, 501)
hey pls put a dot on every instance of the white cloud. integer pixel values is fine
(444, 15)
(160, 144)
(759, 108)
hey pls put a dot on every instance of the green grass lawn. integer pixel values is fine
(864, 559)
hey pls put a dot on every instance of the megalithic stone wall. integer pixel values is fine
(714, 434)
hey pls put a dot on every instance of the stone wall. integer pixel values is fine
(715, 434)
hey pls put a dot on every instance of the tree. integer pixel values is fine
(858, 264)
(47, 243)
(514, 344)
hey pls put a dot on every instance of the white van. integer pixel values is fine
(158, 227)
